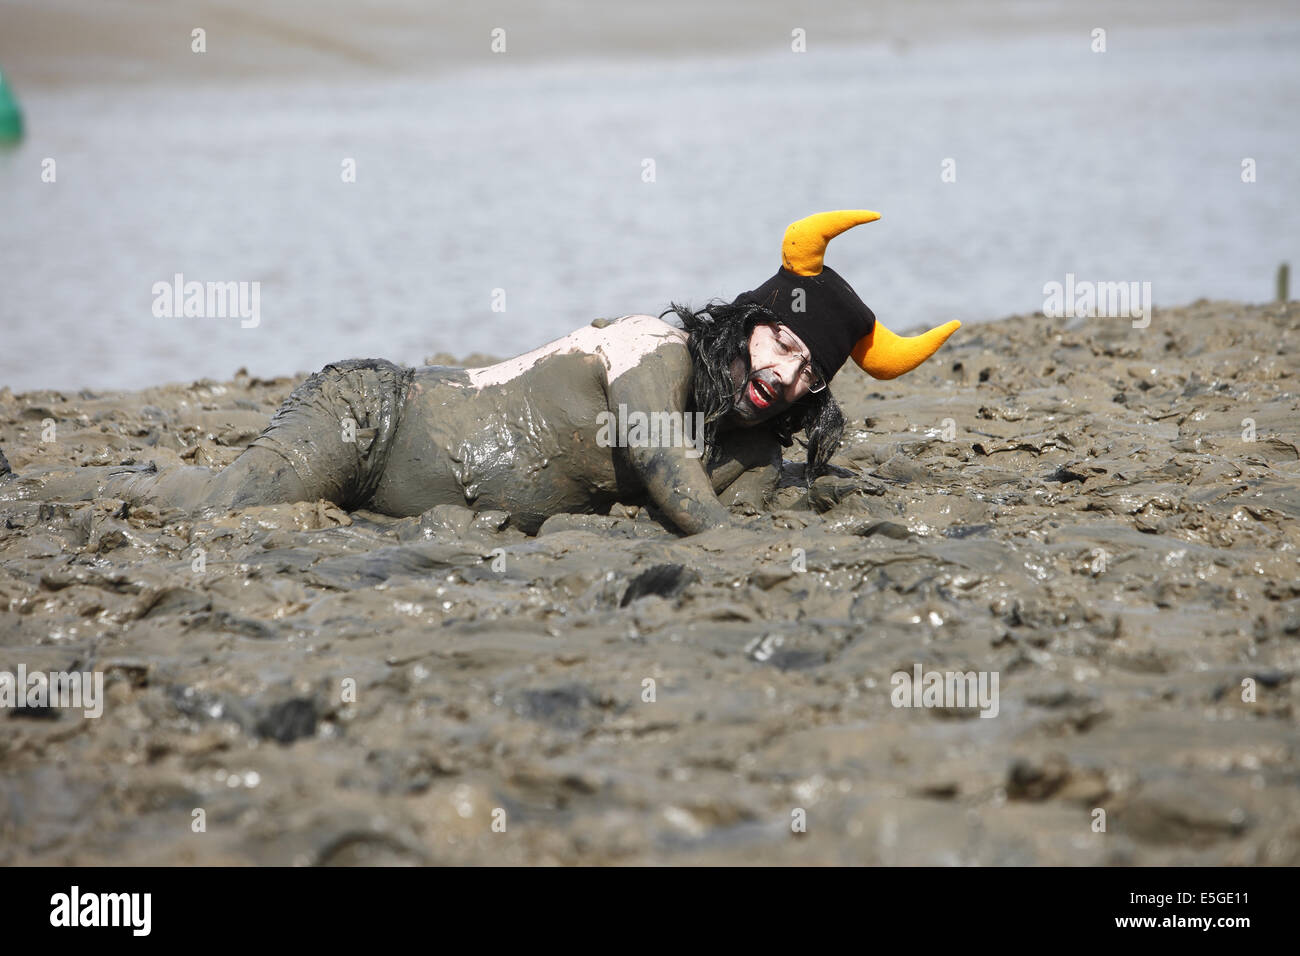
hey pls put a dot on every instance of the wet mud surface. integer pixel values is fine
(1092, 524)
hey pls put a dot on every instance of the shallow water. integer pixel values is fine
(527, 177)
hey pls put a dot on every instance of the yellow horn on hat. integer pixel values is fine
(805, 240)
(882, 354)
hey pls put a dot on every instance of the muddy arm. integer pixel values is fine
(749, 464)
(673, 475)
(752, 489)
(680, 488)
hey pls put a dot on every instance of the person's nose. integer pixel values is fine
(788, 371)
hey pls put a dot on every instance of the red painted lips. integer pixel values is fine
(761, 395)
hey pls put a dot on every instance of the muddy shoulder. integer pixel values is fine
(1095, 523)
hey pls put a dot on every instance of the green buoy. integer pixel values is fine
(11, 117)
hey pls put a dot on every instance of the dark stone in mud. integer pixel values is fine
(288, 720)
(1271, 678)
(946, 790)
(1060, 695)
(966, 531)
(887, 529)
(1170, 812)
(284, 721)
(1290, 618)
(33, 713)
(796, 660)
(563, 707)
(229, 623)
(1064, 475)
(1037, 780)
(664, 580)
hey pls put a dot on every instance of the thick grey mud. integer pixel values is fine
(1079, 509)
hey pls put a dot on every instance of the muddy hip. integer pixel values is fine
(335, 429)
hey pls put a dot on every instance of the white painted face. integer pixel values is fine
(780, 373)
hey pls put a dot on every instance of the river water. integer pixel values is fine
(498, 207)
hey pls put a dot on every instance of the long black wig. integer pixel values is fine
(719, 333)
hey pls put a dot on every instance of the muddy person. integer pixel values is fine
(531, 436)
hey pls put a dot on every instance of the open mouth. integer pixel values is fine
(761, 394)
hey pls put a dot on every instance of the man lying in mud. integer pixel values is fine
(548, 432)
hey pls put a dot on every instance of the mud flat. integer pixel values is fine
(1104, 517)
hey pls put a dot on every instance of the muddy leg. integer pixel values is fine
(328, 441)
(257, 477)
(68, 483)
